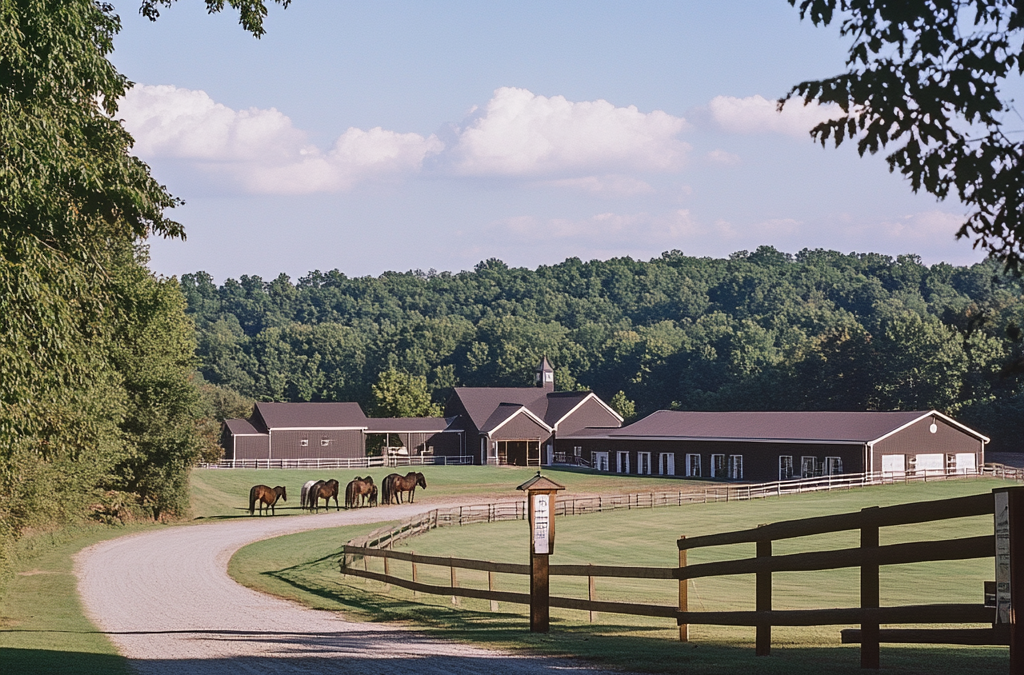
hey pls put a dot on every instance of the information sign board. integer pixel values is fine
(541, 524)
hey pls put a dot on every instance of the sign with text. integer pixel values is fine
(1002, 527)
(541, 524)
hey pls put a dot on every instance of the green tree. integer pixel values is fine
(623, 406)
(399, 394)
(934, 78)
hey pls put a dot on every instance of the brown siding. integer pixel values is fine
(342, 443)
(250, 447)
(760, 460)
(520, 427)
(917, 439)
(590, 414)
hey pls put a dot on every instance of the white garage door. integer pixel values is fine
(931, 463)
(966, 462)
(894, 464)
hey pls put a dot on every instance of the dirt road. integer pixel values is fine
(169, 605)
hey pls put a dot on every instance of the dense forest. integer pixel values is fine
(818, 330)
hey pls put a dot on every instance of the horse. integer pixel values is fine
(304, 496)
(324, 490)
(395, 485)
(265, 495)
(373, 495)
(356, 490)
(308, 503)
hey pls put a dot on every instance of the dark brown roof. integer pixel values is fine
(797, 427)
(242, 428)
(311, 415)
(489, 406)
(505, 412)
(401, 425)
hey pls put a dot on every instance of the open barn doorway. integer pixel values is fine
(519, 453)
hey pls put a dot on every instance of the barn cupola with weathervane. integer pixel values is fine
(544, 375)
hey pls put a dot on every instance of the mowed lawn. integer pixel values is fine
(224, 493)
(304, 567)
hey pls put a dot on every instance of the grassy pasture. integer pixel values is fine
(303, 567)
(224, 493)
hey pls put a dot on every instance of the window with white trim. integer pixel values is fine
(577, 451)
(718, 466)
(600, 460)
(785, 467)
(736, 467)
(693, 466)
(304, 442)
(833, 465)
(643, 463)
(667, 463)
(808, 467)
(622, 462)
(324, 442)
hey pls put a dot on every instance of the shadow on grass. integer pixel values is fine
(38, 661)
(622, 646)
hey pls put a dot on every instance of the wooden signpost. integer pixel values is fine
(540, 493)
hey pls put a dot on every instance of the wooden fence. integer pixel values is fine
(868, 557)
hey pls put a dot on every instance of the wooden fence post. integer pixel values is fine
(455, 583)
(869, 592)
(387, 570)
(684, 629)
(490, 587)
(415, 576)
(591, 592)
(763, 600)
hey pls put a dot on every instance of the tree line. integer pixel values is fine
(761, 330)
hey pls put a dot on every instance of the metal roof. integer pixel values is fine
(239, 427)
(797, 427)
(488, 406)
(312, 415)
(402, 425)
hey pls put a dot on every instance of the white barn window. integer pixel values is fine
(785, 467)
(736, 467)
(718, 466)
(833, 465)
(693, 466)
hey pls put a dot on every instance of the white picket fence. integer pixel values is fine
(337, 462)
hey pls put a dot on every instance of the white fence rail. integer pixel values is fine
(337, 462)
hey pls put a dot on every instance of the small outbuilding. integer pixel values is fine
(768, 446)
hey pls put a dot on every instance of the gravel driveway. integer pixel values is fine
(167, 602)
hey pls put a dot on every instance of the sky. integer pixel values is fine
(395, 135)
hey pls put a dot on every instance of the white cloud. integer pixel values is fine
(609, 229)
(519, 133)
(723, 157)
(260, 149)
(756, 114)
(923, 227)
(608, 186)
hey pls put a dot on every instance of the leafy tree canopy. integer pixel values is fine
(933, 79)
(399, 394)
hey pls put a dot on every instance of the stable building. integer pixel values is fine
(768, 446)
(518, 426)
(290, 431)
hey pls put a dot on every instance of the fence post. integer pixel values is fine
(455, 582)
(684, 629)
(869, 595)
(490, 587)
(591, 591)
(387, 570)
(763, 600)
(415, 575)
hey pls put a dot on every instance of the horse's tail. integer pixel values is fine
(252, 500)
(348, 494)
(385, 489)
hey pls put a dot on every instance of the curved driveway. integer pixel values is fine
(167, 602)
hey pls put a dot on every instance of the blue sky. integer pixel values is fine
(414, 135)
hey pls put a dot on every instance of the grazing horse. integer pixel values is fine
(304, 496)
(373, 495)
(265, 495)
(324, 490)
(357, 490)
(395, 485)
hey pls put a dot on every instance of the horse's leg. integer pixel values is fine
(412, 494)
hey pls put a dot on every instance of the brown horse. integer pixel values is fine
(265, 495)
(324, 490)
(357, 490)
(394, 485)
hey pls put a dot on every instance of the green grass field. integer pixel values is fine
(224, 493)
(43, 628)
(303, 567)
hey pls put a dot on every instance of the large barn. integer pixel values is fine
(768, 446)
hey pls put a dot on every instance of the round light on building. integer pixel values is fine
(933, 428)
